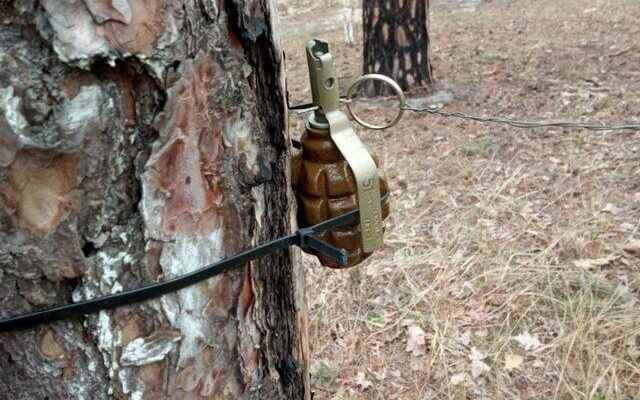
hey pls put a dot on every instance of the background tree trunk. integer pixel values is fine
(139, 140)
(396, 42)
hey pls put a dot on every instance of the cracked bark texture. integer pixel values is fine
(396, 43)
(139, 140)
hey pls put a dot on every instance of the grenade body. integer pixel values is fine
(325, 188)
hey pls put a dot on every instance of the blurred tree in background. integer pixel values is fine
(396, 42)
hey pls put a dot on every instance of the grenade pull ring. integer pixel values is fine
(383, 79)
(325, 92)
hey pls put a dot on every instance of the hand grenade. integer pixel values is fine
(325, 188)
(324, 182)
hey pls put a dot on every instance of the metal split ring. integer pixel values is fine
(384, 79)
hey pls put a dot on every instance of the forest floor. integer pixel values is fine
(511, 268)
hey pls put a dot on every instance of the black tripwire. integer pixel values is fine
(304, 238)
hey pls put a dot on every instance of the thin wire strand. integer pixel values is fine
(523, 124)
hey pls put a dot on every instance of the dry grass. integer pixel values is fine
(491, 225)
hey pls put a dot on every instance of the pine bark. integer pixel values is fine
(396, 42)
(139, 140)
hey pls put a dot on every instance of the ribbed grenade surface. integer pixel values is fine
(326, 188)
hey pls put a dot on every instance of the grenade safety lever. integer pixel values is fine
(335, 172)
(325, 92)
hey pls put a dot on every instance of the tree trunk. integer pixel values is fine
(140, 140)
(396, 42)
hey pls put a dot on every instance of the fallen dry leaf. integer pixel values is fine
(459, 378)
(465, 291)
(612, 209)
(361, 381)
(464, 339)
(626, 226)
(594, 263)
(417, 364)
(632, 343)
(555, 160)
(634, 282)
(416, 341)
(408, 322)
(478, 367)
(481, 333)
(476, 355)
(379, 375)
(513, 361)
(633, 247)
(528, 342)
